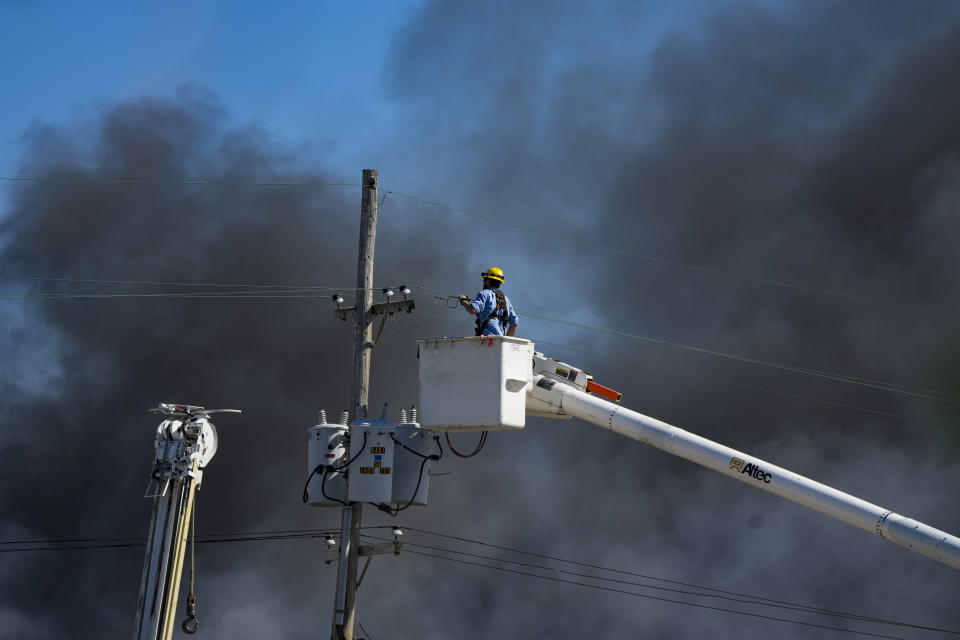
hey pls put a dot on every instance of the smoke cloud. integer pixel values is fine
(809, 143)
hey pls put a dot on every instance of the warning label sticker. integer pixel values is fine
(367, 470)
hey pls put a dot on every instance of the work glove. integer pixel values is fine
(463, 299)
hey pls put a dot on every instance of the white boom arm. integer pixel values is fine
(561, 396)
(185, 442)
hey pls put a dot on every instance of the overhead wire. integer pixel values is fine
(260, 290)
(652, 597)
(163, 182)
(308, 292)
(71, 544)
(499, 221)
(733, 383)
(303, 534)
(672, 263)
(741, 385)
(920, 392)
(718, 593)
(195, 295)
(181, 283)
(365, 632)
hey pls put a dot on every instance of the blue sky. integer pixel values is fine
(304, 70)
(310, 72)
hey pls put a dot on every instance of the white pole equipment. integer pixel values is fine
(185, 442)
(549, 395)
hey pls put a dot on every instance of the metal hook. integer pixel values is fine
(191, 624)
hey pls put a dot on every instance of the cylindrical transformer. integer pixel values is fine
(326, 445)
(407, 466)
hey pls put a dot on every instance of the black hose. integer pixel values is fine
(351, 461)
(327, 469)
(306, 496)
(416, 489)
(431, 456)
(386, 508)
(323, 490)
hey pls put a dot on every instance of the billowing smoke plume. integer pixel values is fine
(810, 143)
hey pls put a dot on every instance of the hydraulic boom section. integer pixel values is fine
(559, 390)
(185, 442)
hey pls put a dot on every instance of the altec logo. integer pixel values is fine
(752, 470)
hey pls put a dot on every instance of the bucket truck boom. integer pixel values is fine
(554, 390)
(186, 441)
(485, 383)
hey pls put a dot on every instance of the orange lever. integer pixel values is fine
(603, 392)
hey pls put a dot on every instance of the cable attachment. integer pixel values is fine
(191, 624)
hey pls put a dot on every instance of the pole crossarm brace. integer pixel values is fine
(378, 309)
(390, 308)
(384, 547)
(366, 550)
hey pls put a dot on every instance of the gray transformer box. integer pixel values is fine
(371, 473)
(410, 469)
(325, 446)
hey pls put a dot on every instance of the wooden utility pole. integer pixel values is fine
(346, 594)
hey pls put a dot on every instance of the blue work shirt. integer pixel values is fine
(484, 305)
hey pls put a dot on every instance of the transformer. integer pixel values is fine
(371, 469)
(326, 445)
(411, 473)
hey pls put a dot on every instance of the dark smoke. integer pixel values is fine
(814, 143)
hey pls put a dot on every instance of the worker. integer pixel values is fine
(495, 314)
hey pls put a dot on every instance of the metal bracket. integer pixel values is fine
(379, 309)
(348, 313)
(377, 549)
(390, 308)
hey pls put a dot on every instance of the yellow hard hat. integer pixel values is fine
(494, 273)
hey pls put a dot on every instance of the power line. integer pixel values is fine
(637, 363)
(146, 181)
(719, 593)
(265, 290)
(507, 223)
(658, 598)
(865, 382)
(181, 283)
(672, 263)
(294, 292)
(365, 632)
(197, 295)
(81, 544)
(737, 384)
(69, 544)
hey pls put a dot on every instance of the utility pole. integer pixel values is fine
(346, 594)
